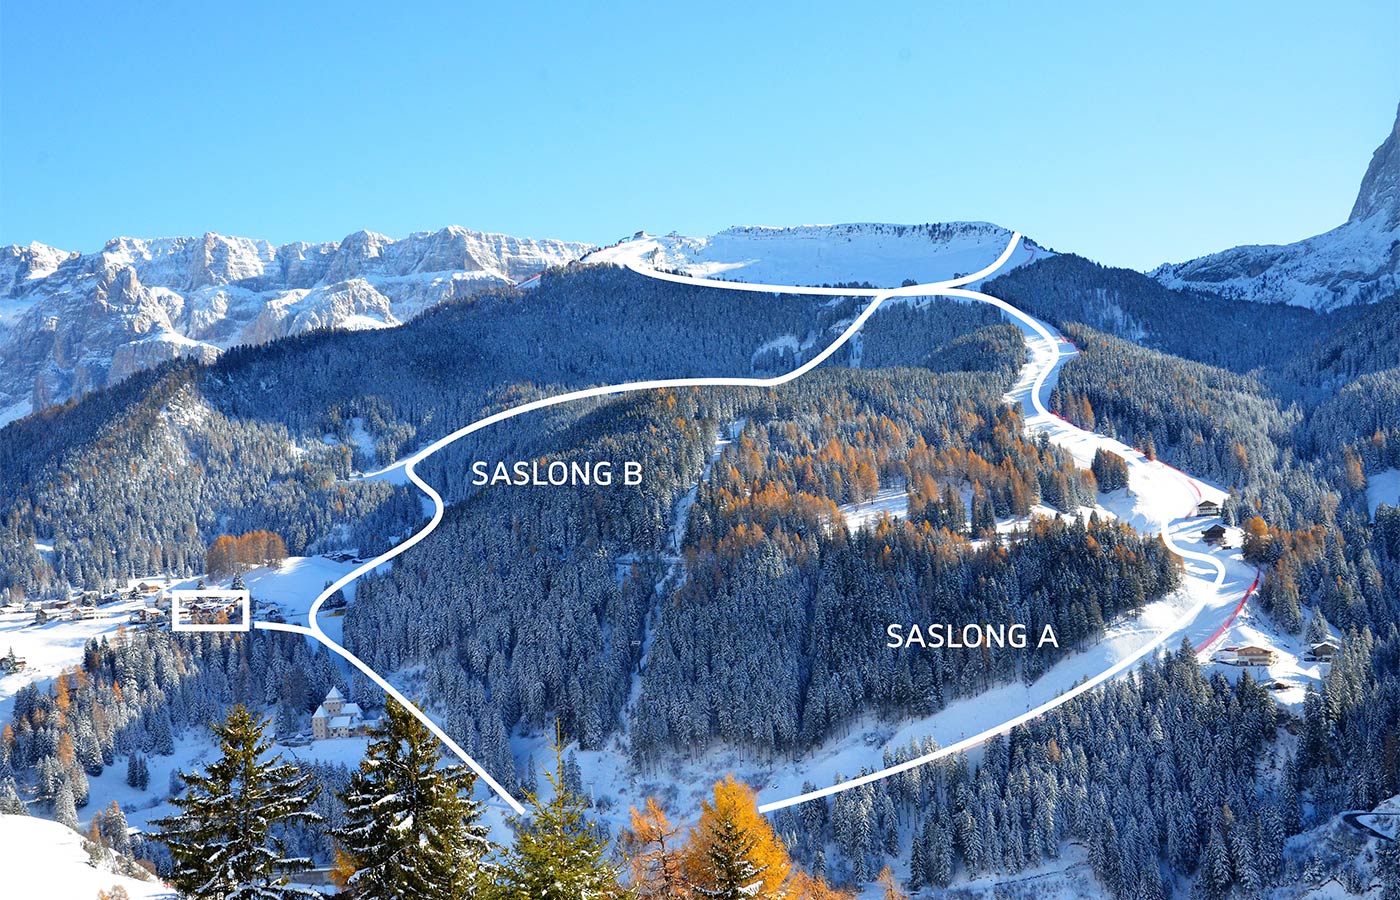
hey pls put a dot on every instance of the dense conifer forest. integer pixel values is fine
(726, 601)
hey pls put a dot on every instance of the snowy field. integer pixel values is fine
(1382, 487)
(49, 648)
(40, 860)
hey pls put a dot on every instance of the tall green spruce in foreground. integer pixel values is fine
(557, 853)
(411, 829)
(221, 842)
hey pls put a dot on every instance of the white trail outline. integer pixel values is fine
(877, 296)
(1053, 343)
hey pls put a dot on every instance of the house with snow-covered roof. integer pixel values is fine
(337, 718)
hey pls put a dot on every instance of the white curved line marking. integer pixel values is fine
(1053, 343)
(877, 296)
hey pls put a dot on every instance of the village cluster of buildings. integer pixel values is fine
(1253, 654)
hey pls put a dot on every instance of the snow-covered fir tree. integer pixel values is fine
(411, 828)
(222, 842)
(558, 854)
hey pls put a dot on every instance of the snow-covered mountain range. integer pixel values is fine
(72, 322)
(878, 254)
(1356, 262)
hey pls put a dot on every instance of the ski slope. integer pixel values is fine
(409, 466)
(1160, 500)
(40, 860)
(862, 253)
(1163, 501)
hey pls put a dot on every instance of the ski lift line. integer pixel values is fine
(877, 297)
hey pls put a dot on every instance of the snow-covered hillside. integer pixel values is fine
(878, 254)
(43, 860)
(1356, 262)
(73, 322)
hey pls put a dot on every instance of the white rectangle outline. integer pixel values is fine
(244, 598)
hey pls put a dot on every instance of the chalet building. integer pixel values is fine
(149, 615)
(1255, 656)
(1208, 508)
(1214, 535)
(1323, 651)
(335, 718)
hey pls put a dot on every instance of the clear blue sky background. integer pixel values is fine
(1128, 134)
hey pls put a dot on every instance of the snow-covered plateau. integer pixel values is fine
(881, 255)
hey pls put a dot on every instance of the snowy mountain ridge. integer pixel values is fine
(72, 322)
(884, 255)
(1356, 262)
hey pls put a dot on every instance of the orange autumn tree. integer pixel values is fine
(229, 555)
(653, 855)
(811, 887)
(733, 852)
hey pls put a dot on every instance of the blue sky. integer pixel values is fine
(1130, 135)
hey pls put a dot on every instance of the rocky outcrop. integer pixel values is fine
(71, 322)
(1380, 188)
(1357, 262)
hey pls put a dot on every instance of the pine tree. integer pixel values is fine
(138, 773)
(220, 843)
(411, 827)
(733, 851)
(557, 853)
(65, 809)
(1388, 865)
(112, 828)
(731, 873)
(1109, 470)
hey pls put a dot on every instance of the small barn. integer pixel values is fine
(1214, 535)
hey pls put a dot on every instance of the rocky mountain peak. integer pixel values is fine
(73, 322)
(1380, 188)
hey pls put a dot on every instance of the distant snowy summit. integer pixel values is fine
(72, 322)
(1356, 262)
(879, 254)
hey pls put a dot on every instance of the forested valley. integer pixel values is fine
(725, 602)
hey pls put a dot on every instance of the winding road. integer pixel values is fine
(1047, 351)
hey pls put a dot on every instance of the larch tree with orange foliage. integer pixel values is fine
(733, 853)
(653, 855)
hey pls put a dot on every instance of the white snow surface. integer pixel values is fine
(43, 860)
(1356, 262)
(54, 646)
(883, 255)
(1382, 487)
